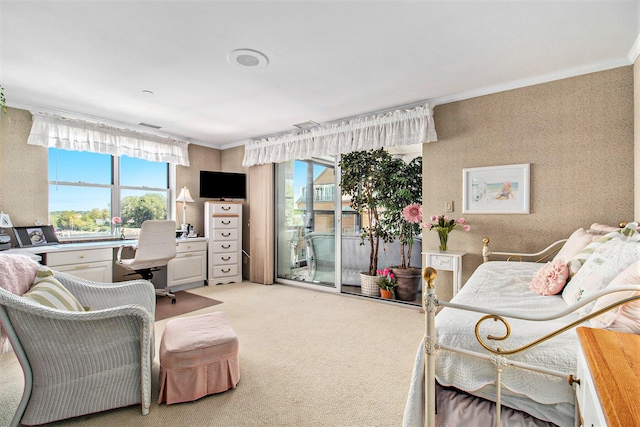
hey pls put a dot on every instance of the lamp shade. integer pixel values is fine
(184, 196)
(5, 221)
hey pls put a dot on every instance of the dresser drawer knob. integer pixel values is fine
(226, 258)
(226, 222)
(226, 208)
(226, 234)
(226, 270)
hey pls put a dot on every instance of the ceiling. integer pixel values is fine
(325, 60)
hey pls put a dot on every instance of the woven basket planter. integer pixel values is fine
(369, 285)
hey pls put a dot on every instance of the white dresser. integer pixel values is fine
(223, 228)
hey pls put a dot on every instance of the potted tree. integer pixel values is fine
(365, 175)
(402, 218)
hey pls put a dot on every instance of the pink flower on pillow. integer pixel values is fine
(550, 278)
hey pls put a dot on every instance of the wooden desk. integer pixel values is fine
(613, 364)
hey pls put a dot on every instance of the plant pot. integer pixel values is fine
(408, 282)
(368, 285)
(386, 293)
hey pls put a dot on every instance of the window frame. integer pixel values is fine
(116, 194)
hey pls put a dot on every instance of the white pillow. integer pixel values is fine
(601, 267)
(624, 318)
(574, 244)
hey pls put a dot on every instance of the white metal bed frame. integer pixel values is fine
(496, 354)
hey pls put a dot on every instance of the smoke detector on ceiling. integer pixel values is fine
(247, 58)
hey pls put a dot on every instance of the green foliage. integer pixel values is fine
(365, 177)
(135, 210)
(403, 188)
(94, 221)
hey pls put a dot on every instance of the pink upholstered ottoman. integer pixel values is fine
(198, 356)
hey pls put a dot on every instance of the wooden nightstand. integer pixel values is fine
(609, 374)
(448, 261)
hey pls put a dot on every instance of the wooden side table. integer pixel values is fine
(448, 261)
(609, 378)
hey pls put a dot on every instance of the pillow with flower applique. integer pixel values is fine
(601, 267)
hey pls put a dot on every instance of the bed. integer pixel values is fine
(464, 357)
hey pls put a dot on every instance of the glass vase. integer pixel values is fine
(443, 240)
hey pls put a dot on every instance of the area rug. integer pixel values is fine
(186, 302)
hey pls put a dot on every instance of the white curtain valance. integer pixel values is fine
(50, 130)
(399, 127)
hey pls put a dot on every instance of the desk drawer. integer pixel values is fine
(79, 256)
(224, 222)
(441, 261)
(191, 247)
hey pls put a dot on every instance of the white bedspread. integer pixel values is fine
(504, 285)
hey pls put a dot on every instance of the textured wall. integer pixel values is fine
(576, 133)
(24, 191)
(200, 158)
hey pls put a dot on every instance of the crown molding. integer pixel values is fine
(635, 51)
(518, 84)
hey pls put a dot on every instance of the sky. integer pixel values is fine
(300, 176)
(94, 168)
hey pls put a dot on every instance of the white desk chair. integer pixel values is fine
(156, 246)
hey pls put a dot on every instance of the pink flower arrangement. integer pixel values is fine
(443, 225)
(412, 213)
(116, 220)
(386, 279)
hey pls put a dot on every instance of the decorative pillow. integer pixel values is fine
(17, 273)
(578, 240)
(603, 228)
(605, 263)
(550, 279)
(576, 262)
(624, 318)
(48, 291)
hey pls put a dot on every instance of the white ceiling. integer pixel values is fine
(327, 60)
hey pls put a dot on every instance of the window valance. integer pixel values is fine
(399, 127)
(50, 130)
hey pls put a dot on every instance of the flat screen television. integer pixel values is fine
(223, 185)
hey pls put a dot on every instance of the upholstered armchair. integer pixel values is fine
(76, 363)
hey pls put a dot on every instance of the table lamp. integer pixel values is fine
(184, 197)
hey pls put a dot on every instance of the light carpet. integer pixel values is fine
(307, 358)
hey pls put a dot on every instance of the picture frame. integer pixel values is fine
(36, 235)
(496, 189)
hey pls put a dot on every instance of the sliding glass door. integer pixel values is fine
(306, 221)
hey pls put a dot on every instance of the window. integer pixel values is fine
(87, 190)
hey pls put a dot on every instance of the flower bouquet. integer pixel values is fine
(387, 282)
(443, 225)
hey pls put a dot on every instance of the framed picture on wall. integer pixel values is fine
(496, 189)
